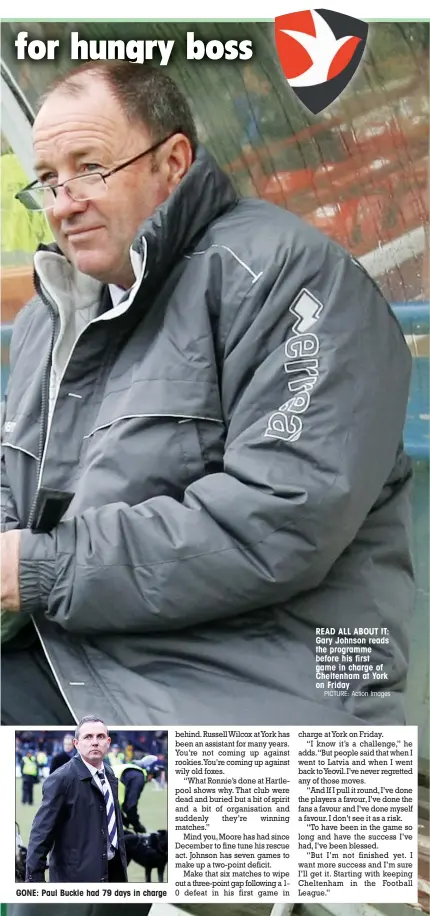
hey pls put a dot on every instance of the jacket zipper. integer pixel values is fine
(45, 392)
(42, 443)
(38, 287)
(57, 681)
(43, 432)
(42, 437)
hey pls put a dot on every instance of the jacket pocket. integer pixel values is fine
(202, 443)
(139, 456)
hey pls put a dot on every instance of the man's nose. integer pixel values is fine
(65, 207)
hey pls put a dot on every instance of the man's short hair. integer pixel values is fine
(145, 94)
(88, 719)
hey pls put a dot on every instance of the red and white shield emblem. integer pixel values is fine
(319, 51)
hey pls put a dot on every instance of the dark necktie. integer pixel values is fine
(110, 810)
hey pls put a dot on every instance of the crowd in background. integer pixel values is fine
(126, 746)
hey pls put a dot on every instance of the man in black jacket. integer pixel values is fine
(206, 469)
(79, 822)
(63, 756)
(132, 778)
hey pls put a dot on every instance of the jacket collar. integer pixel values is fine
(203, 194)
(84, 772)
(92, 769)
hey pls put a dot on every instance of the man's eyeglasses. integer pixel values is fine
(84, 187)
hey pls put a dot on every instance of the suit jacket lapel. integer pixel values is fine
(95, 786)
(84, 773)
(112, 780)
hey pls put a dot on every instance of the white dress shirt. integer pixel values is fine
(116, 294)
(94, 770)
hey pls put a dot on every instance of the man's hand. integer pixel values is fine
(9, 545)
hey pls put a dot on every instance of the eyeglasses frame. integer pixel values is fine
(117, 168)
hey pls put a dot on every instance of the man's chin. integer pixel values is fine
(94, 756)
(91, 263)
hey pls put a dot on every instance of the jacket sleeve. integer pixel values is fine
(314, 392)
(43, 829)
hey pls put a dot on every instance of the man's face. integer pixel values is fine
(68, 744)
(93, 742)
(79, 134)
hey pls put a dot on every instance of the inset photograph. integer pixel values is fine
(91, 805)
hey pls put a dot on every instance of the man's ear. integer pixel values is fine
(178, 159)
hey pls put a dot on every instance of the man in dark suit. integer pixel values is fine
(79, 822)
(65, 755)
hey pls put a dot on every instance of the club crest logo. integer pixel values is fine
(319, 51)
